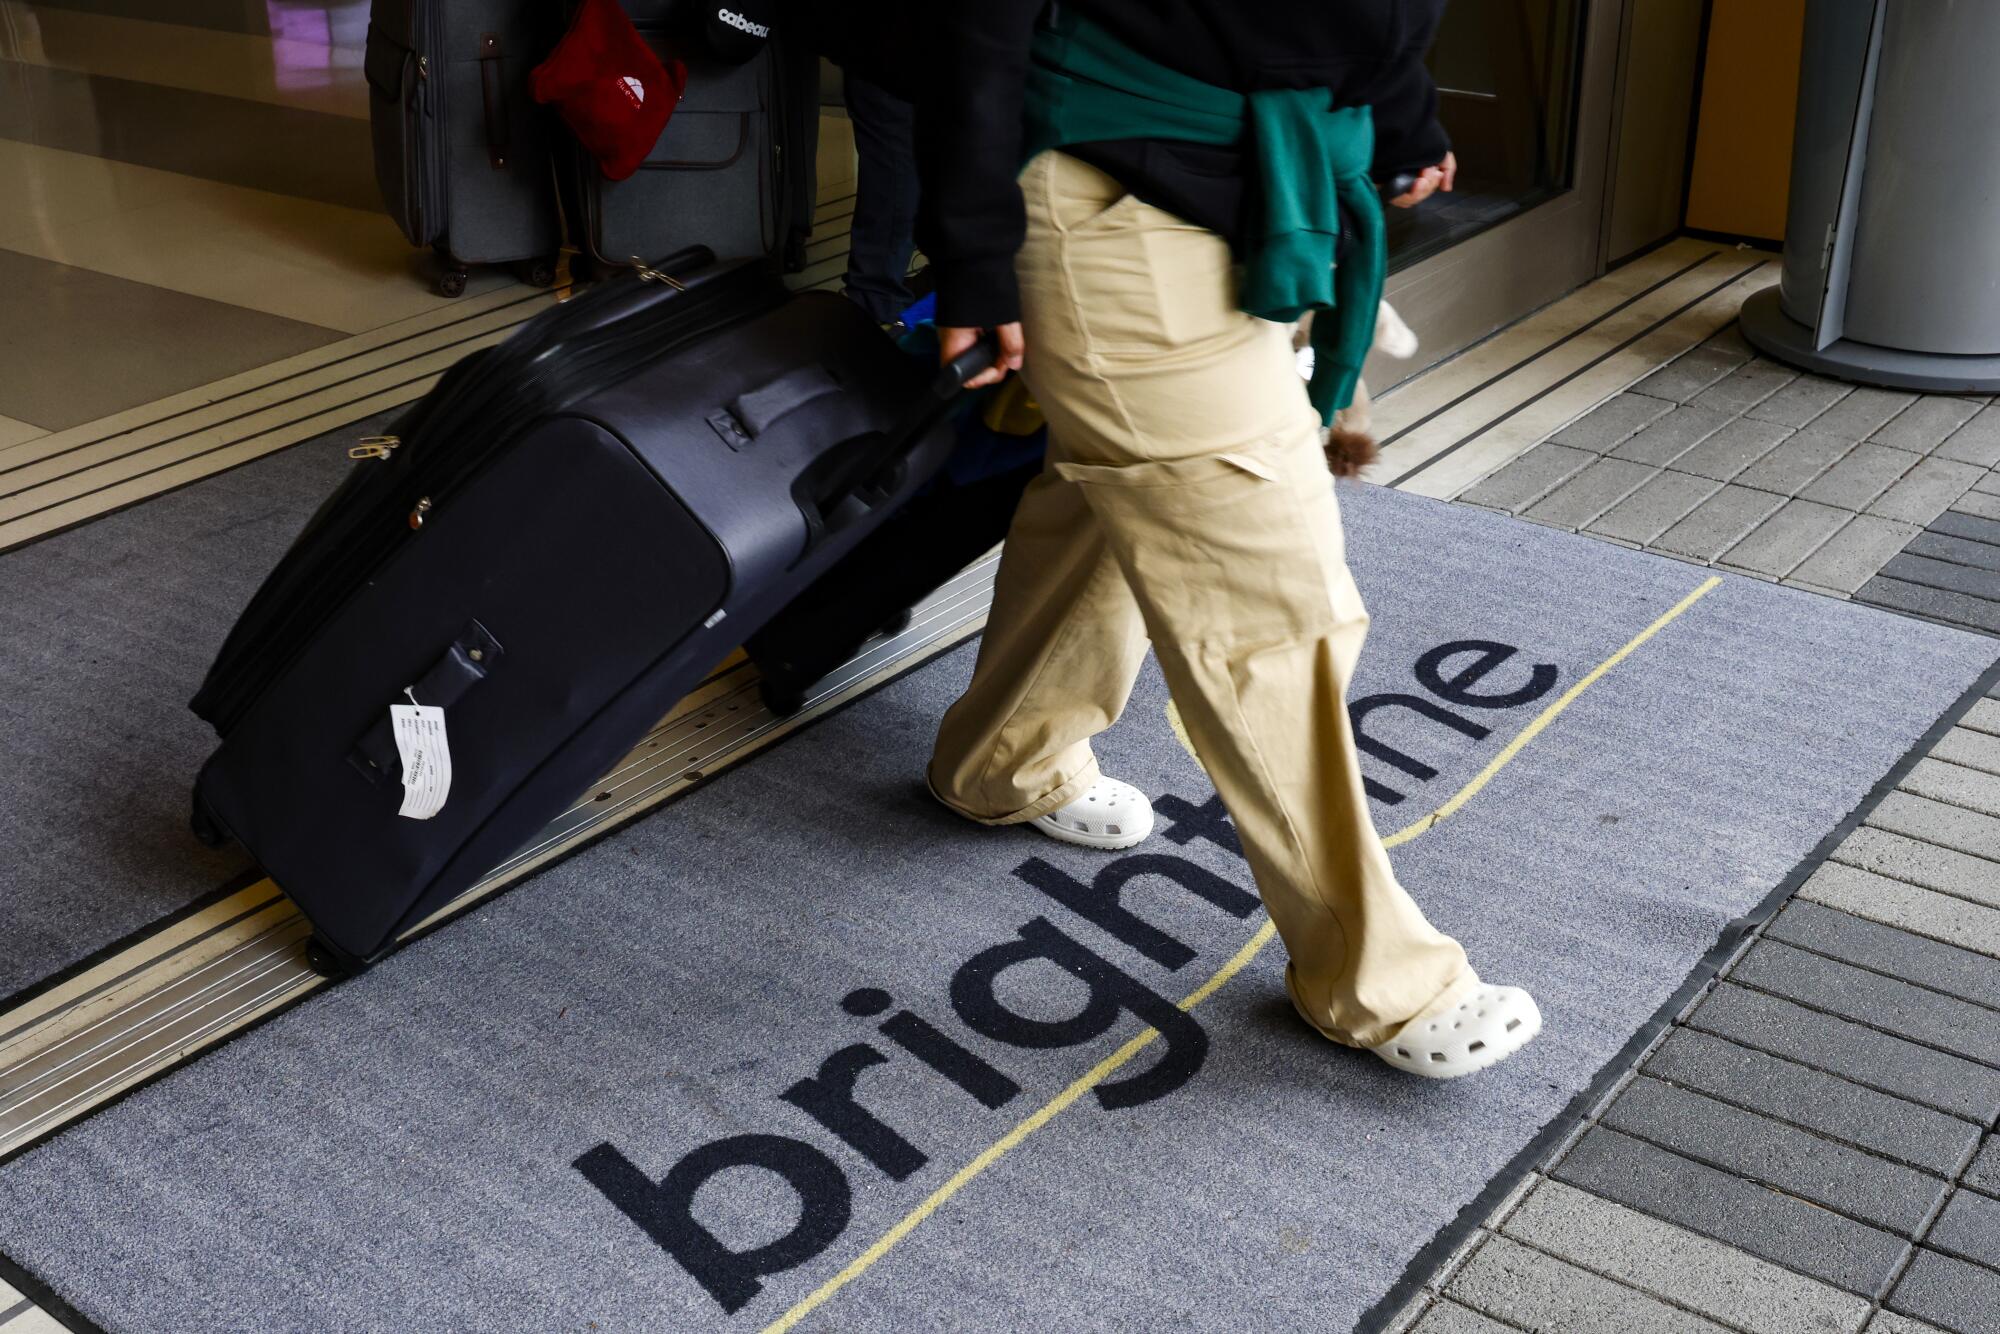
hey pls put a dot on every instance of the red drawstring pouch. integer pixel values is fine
(609, 87)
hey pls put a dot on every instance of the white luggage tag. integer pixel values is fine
(426, 756)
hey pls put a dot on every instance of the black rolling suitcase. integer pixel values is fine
(719, 174)
(462, 152)
(962, 515)
(916, 552)
(553, 547)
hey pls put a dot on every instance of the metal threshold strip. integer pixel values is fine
(57, 481)
(53, 482)
(170, 997)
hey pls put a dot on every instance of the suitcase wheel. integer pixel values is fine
(206, 829)
(452, 282)
(783, 697)
(330, 961)
(539, 272)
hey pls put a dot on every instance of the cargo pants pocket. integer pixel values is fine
(1144, 280)
(1218, 548)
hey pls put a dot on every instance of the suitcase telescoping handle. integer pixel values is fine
(951, 376)
(851, 479)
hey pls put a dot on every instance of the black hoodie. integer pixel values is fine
(975, 56)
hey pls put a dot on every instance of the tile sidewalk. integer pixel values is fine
(1812, 1144)
(1727, 458)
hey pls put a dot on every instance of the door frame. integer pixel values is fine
(1458, 297)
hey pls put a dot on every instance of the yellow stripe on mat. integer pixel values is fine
(1103, 1070)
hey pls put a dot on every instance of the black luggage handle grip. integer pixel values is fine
(981, 357)
(464, 664)
(493, 99)
(832, 492)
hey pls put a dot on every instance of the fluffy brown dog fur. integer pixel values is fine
(1350, 441)
(1348, 452)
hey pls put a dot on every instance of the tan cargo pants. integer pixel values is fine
(1187, 500)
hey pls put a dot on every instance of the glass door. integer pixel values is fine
(1506, 72)
(1525, 90)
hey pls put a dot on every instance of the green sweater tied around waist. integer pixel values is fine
(1085, 86)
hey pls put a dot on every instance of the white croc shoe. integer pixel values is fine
(1110, 816)
(1492, 1024)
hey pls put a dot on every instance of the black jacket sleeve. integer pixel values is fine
(969, 154)
(1408, 137)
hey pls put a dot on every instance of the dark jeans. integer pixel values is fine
(885, 200)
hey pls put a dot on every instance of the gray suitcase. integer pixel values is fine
(717, 177)
(463, 153)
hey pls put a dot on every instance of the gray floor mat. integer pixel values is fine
(533, 1118)
(105, 633)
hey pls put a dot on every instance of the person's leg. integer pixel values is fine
(1185, 428)
(885, 199)
(1062, 648)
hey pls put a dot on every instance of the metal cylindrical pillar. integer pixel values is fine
(1892, 245)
